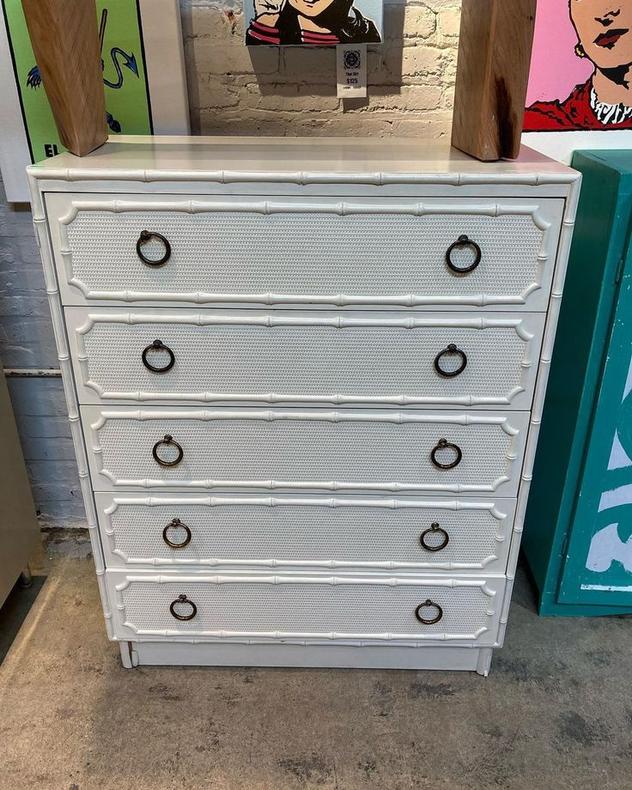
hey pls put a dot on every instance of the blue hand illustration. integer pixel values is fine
(114, 125)
(34, 78)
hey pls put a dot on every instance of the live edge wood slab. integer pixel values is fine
(492, 75)
(66, 47)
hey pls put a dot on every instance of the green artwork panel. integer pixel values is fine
(578, 528)
(124, 75)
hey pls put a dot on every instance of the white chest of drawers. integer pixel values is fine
(304, 379)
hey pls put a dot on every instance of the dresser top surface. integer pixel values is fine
(300, 158)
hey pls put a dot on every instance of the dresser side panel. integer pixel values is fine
(40, 224)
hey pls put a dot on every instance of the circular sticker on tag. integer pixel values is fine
(352, 59)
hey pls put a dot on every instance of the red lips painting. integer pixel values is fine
(598, 37)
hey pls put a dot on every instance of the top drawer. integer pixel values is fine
(321, 251)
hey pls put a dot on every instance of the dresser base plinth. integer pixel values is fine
(473, 659)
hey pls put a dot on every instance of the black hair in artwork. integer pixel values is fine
(346, 22)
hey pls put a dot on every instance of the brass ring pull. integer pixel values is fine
(460, 243)
(148, 235)
(175, 523)
(437, 532)
(182, 599)
(444, 444)
(170, 442)
(428, 604)
(450, 351)
(158, 345)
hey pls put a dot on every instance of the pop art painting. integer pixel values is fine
(579, 93)
(124, 75)
(319, 23)
(144, 81)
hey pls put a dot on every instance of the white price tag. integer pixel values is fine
(351, 68)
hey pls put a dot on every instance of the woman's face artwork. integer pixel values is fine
(595, 93)
(314, 23)
(310, 8)
(604, 29)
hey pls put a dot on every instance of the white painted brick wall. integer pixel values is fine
(234, 89)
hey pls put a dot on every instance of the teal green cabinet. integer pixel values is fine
(578, 528)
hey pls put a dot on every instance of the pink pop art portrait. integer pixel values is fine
(581, 66)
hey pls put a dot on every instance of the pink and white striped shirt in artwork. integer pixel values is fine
(267, 34)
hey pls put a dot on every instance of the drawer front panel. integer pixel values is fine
(308, 608)
(307, 251)
(321, 532)
(318, 450)
(306, 358)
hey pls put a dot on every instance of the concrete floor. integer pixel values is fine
(556, 712)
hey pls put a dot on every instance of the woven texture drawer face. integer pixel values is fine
(228, 357)
(313, 450)
(308, 250)
(305, 531)
(311, 608)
